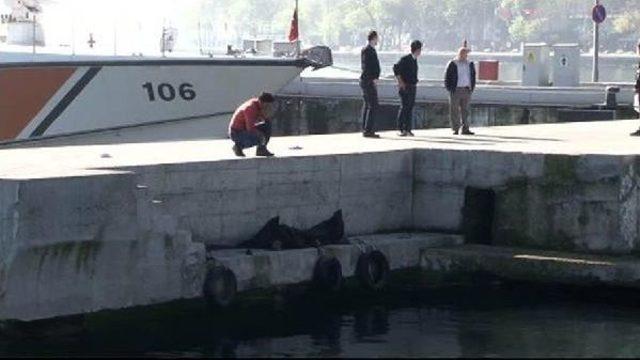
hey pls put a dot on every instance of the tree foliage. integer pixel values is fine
(441, 24)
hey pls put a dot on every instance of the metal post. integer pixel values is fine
(596, 49)
(200, 37)
(164, 34)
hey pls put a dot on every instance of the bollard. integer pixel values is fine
(611, 101)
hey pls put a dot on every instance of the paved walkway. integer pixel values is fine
(68, 157)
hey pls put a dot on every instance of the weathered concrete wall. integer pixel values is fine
(83, 244)
(137, 236)
(72, 245)
(87, 276)
(225, 203)
(581, 203)
(443, 176)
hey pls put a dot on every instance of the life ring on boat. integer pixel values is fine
(327, 274)
(373, 270)
(220, 287)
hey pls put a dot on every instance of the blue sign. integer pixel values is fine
(599, 13)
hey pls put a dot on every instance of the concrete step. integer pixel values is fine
(535, 265)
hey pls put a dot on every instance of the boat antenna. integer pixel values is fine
(115, 38)
(200, 36)
(33, 35)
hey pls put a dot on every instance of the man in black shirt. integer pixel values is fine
(406, 72)
(368, 80)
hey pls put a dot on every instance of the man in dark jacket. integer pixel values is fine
(460, 81)
(406, 72)
(368, 80)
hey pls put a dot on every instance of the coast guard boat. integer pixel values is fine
(47, 95)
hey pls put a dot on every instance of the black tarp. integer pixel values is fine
(276, 236)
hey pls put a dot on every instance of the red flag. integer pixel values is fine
(293, 31)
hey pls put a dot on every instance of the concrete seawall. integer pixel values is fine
(86, 228)
(584, 203)
(487, 92)
(318, 105)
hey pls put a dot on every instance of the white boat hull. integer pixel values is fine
(49, 99)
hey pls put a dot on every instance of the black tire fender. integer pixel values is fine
(327, 274)
(220, 287)
(373, 270)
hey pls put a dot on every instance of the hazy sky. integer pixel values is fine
(135, 24)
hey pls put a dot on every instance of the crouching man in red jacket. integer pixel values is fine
(251, 125)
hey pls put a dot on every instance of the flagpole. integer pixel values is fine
(595, 77)
(298, 24)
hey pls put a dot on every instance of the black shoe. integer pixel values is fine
(636, 133)
(371, 135)
(402, 133)
(467, 132)
(238, 151)
(409, 133)
(262, 151)
(455, 132)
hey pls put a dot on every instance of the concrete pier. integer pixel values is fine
(265, 269)
(487, 93)
(316, 105)
(91, 227)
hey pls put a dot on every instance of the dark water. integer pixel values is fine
(487, 320)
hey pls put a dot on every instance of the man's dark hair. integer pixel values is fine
(372, 35)
(415, 45)
(266, 97)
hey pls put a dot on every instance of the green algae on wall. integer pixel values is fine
(560, 169)
(87, 254)
(82, 254)
(559, 210)
(526, 212)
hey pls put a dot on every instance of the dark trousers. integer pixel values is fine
(405, 115)
(370, 107)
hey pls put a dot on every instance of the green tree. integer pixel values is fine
(442, 24)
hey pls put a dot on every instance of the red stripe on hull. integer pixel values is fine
(24, 92)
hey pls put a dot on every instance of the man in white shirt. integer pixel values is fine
(460, 81)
